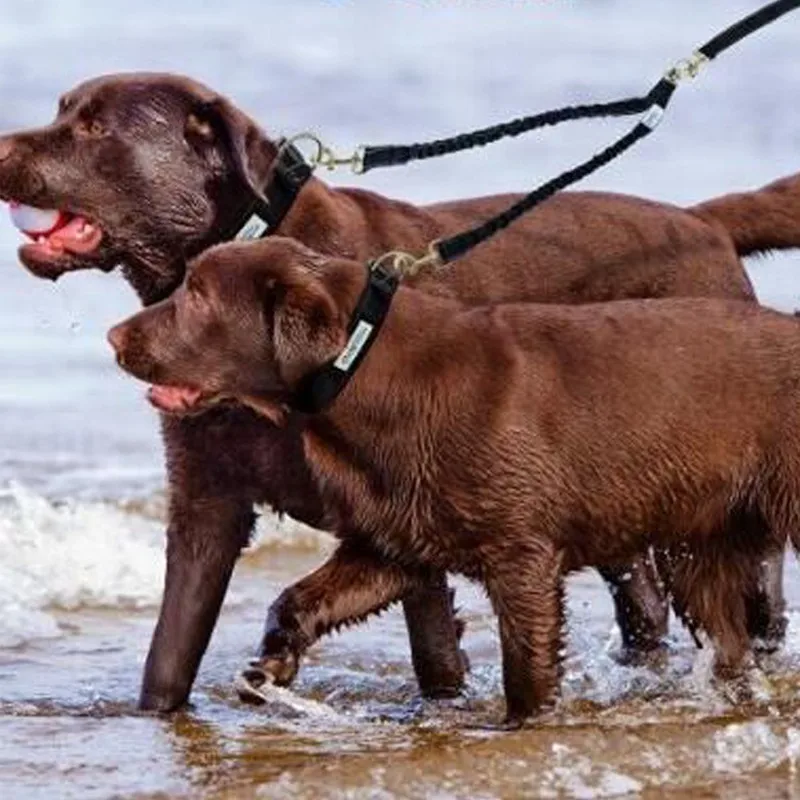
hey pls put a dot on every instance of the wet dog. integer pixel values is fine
(153, 168)
(510, 443)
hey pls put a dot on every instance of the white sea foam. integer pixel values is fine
(75, 554)
(70, 555)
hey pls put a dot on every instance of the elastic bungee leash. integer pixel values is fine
(368, 157)
(392, 155)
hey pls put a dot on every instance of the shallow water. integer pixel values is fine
(355, 727)
(80, 470)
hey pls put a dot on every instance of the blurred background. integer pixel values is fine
(80, 463)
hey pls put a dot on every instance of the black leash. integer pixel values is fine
(292, 170)
(373, 157)
(742, 29)
(454, 247)
(392, 155)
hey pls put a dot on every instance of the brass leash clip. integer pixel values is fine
(407, 265)
(325, 157)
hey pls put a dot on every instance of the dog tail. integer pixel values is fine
(758, 221)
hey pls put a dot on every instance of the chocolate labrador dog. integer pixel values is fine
(510, 443)
(151, 169)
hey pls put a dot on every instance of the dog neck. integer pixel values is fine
(377, 451)
(265, 210)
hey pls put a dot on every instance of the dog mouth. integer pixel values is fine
(61, 241)
(180, 399)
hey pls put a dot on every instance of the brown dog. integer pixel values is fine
(508, 443)
(165, 167)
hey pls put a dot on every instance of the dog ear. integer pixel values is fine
(217, 125)
(308, 327)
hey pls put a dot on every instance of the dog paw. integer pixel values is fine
(250, 684)
(743, 685)
(735, 690)
(278, 670)
(444, 684)
(442, 692)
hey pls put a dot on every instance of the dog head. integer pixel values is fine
(248, 323)
(147, 168)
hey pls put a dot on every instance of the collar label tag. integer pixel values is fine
(254, 228)
(355, 344)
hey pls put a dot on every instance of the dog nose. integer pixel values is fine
(6, 148)
(116, 338)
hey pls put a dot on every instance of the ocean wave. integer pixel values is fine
(68, 555)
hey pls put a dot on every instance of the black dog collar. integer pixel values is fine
(288, 177)
(319, 389)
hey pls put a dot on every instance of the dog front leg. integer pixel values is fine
(204, 539)
(526, 590)
(353, 584)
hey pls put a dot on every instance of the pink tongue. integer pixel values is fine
(77, 236)
(173, 398)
